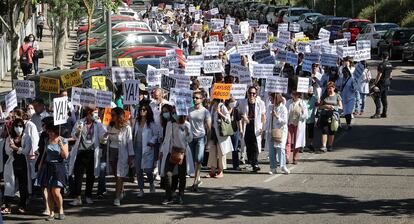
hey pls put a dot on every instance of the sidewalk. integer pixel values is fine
(47, 61)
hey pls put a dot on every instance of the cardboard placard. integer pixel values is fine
(263, 70)
(238, 91)
(131, 92)
(99, 82)
(60, 110)
(103, 99)
(11, 101)
(125, 62)
(119, 75)
(25, 89)
(213, 66)
(49, 85)
(71, 79)
(221, 91)
(276, 84)
(303, 85)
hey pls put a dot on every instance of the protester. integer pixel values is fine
(236, 124)
(40, 113)
(36, 52)
(26, 57)
(362, 90)
(348, 90)
(383, 81)
(311, 103)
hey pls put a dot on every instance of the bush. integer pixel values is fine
(408, 20)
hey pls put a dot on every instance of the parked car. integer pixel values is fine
(353, 26)
(319, 22)
(118, 27)
(130, 13)
(114, 19)
(244, 10)
(374, 32)
(281, 15)
(306, 20)
(258, 14)
(394, 41)
(334, 25)
(272, 13)
(251, 12)
(293, 14)
(408, 50)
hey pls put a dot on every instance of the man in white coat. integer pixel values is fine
(253, 112)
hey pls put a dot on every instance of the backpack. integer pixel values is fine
(24, 59)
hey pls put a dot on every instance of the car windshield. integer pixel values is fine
(403, 34)
(337, 22)
(298, 12)
(313, 17)
(116, 41)
(383, 27)
(357, 24)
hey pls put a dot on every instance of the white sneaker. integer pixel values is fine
(285, 170)
(89, 201)
(152, 188)
(117, 202)
(272, 171)
(158, 177)
(76, 202)
(140, 194)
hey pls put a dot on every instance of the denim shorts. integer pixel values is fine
(197, 149)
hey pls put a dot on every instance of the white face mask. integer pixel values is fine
(18, 130)
(31, 112)
(31, 39)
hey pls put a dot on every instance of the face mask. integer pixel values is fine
(232, 105)
(166, 115)
(95, 116)
(18, 130)
(176, 117)
(31, 112)
(31, 39)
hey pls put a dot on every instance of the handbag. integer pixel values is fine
(38, 54)
(225, 128)
(176, 153)
(276, 132)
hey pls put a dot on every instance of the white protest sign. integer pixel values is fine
(323, 33)
(303, 85)
(192, 69)
(205, 81)
(154, 76)
(119, 74)
(25, 89)
(83, 97)
(276, 84)
(238, 91)
(263, 55)
(244, 29)
(235, 59)
(235, 28)
(284, 35)
(11, 101)
(103, 99)
(291, 58)
(197, 27)
(181, 107)
(243, 49)
(346, 51)
(307, 65)
(253, 23)
(242, 72)
(181, 93)
(283, 27)
(294, 27)
(227, 38)
(60, 110)
(329, 60)
(362, 55)
(238, 37)
(254, 47)
(211, 51)
(281, 56)
(363, 44)
(214, 11)
(341, 42)
(230, 21)
(213, 66)
(263, 70)
(299, 35)
(313, 57)
(263, 28)
(171, 53)
(181, 80)
(131, 92)
(191, 9)
(347, 35)
(196, 58)
(279, 44)
(214, 38)
(260, 37)
(304, 47)
(328, 49)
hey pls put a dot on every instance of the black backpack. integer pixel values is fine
(24, 59)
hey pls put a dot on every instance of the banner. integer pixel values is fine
(303, 85)
(11, 101)
(329, 60)
(125, 62)
(221, 91)
(119, 75)
(213, 66)
(60, 110)
(263, 70)
(103, 99)
(131, 92)
(276, 84)
(71, 79)
(49, 85)
(99, 82)
(25, 89)
(238, 91)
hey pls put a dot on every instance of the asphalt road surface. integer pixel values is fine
(369, 178)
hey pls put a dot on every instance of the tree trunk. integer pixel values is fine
(15, 24)
(60, 34)
(88, 51)
(14, 56)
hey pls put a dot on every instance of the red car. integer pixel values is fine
(83, 29)
(353, 26)
(114, 30)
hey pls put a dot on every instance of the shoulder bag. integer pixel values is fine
(176, 153)
(225, 128)
(276, 132)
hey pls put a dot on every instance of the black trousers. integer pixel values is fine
(39, 32)
(169, 180)
(381, 97)
(84, 163)
(20, 175)
(252, 150)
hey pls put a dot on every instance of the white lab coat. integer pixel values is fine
(301, 132)
(165, 148)
(149, 135)
(258, 125)
(9, 179)
(125, 150)
(348, 94)
(280, 122)
(224, 142)
(98, 132)
(363, 82)
(31, 130)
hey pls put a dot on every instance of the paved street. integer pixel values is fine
(369, 178)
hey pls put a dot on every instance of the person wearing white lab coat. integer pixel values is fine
(277, 119)
(348, 89)
(297, 115)
(145, 136)
(120, 153)
(253, 112)
(17, 169)
(178, 134)
(219, 145)
(85, 154)
(362, 90)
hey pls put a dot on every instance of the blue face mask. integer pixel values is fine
(166, 115)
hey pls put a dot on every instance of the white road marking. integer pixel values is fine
(277, 175)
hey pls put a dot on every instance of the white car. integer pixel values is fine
(306, 20)
(374, 32)
(129, 13)
(273, 13)
(293, 14)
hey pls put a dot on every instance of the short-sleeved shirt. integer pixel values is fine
(53, 151)
(197, 119)
(332, 100)
(385, 68)
(310, 104)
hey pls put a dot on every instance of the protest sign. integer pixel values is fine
(245, 29)
(313, 57)
(205, 81)
(284, 35)
(302, 39)
(213, 66)
(329, 60)
(197, 27)
(294, 27)
(214, 38)
(181, 81)
(154, 76)
(279, 44)
(181, 107)
(60, 110)
(49, 85)
(255, 47)
(221, 91)
(259, 56)
(238, 37)
(211, 51)
(281, 56)
(235, 59)
(119, 75)
(263, 70)
(303, 85)
(323, 33)
(230, 21)
(214, 11)
(25, 89)
(83, 97)
(103, 99)
(99, 82)
(283, 27)
(238, 91)
(347, 35)
(263, 28)
(362, 55)
(191, 9)
(242, 72)
(196, 58)
(107, 116)
(125, 62)
(131, 92)
(299, 35)
(71, 79)
(260, 37)
(346, 51)
(363, 44)
(167, 82)
(11, 101)
(304, 47)
(276, 84)
(227, 38)
(181, 93)
(235, 28)
(307, 65)
(291, 58)
(328, 49)
(171, 53)
(341, 42)
(192, 69)
(253, 23)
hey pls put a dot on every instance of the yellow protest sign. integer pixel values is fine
(197, 7)
(49, 85)
(99, 82)
(304, 39)
(221, 91)
(125, 62)
(71, 79)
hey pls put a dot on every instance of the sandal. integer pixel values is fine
(6, 211)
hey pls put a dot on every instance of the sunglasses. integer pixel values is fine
(143, 109)
(197, 98)
(252, 93)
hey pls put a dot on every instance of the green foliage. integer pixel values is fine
(408, 20)
(113, 6)
(388, 11)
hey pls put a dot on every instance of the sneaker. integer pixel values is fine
(375, 116)
(199, 183)
(117, 202)
(152, 188)
(330, 149)
(50, 218)
(167, 202)
(179, 200)
(158, 177)
(76, 202)
(60, 217)
(384, 115)
(256, 168)
(140, 194)
(285, 170)
(321, 150)
(272, 171)
(89, 200)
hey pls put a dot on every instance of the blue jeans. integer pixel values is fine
(139, 170)
(280, 153)
(360, 101)
(102, 178)
(197, 149)
(235, 138)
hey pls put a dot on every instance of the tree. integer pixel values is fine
(14, 22)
